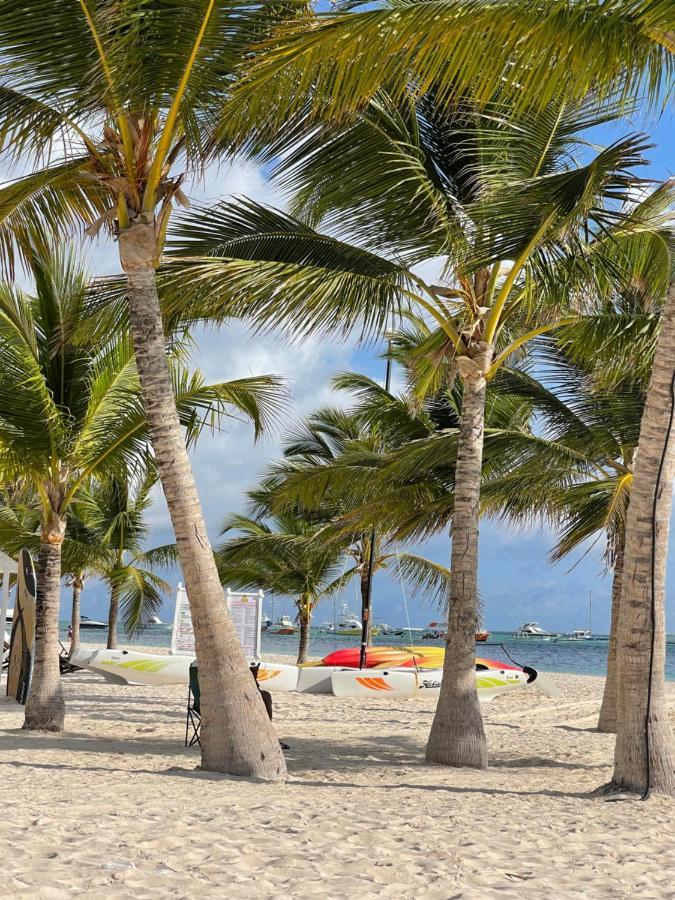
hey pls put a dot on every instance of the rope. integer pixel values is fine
(405, 604)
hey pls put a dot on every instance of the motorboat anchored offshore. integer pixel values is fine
(348, 624)
(579, 634)
(283, 625)
(86, 622)
(534, 630)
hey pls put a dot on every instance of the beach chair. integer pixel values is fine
(64, 661)
(194, 718)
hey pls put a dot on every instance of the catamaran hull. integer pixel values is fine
(404, 683)
(129, 667)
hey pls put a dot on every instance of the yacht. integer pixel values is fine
(390, 629)
(86, 622)
(437, 631)
(534, 630)
(347, 624)
(283, 625)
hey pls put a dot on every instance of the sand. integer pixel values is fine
(115, 808)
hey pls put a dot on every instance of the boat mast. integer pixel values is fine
(366, 604)
(590, 613)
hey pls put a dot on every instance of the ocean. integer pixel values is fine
(580, 657)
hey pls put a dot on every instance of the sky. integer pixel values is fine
(516, 580)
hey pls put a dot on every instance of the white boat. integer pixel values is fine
(348, 624)
(582, 634)
(283, 625)
(86, 622)
(155, 620)
(534, 630)
(390, 629)
(579, 634)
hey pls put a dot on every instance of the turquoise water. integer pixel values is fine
(581, 657)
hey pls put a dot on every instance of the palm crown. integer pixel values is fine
(70, 401)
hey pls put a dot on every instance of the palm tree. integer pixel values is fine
(299, 534)
(71, 408)
(328, 463)
(113, 513)
(643, 759)
(128, 94)
(573, 472)
(283, 554)
(513, 217)
(87, 549)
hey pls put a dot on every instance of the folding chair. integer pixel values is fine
(194, 718)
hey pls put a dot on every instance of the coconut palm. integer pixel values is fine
(512, 214)
(109, 106)
(283, 554)
(300, 509)
(20, 516)
(574, 474)
(71, 408)
(643, 759)
(113, 513)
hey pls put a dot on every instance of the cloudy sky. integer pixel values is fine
(516, 580)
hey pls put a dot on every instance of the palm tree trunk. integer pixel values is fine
(607, 717)
(237, 736)
(45, 706)
(78, 584)
(643, 757)
(304, 619)
(113, 614)
(457, 735)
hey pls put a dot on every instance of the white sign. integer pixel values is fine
(246, 612)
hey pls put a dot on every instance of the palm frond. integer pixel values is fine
(344, 59)
(246, 260)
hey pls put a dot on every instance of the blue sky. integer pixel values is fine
(516, 580)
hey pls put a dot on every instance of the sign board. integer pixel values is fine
(246, 612)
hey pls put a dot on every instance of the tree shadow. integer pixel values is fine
(592, 730)
(532, 762)
(173, 771)
(307, 755)
(18, 739)
(486, 791)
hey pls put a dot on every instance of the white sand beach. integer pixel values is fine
(116, 808)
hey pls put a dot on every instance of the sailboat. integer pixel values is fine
(582, 634)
